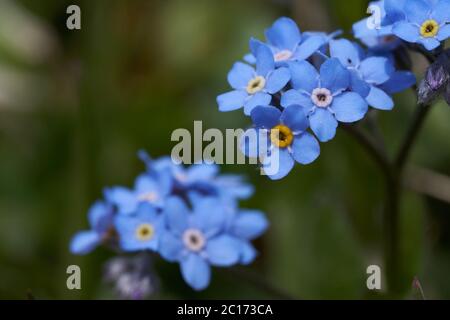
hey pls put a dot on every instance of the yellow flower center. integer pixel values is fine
(145, 232)
(256, 84)
(281, 136)
(429, 28)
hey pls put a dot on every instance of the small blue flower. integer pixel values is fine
(380, 38)
(197, 239)
(253, 87)
(100, 218)
(147, 189)
(140, 231)
(425, 22)
(324, 96)
(287, 43)
(280, 139)
(367, 73)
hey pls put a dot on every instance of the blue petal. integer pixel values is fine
(223, 251)
(124, 199)
(294, 117)
(266, 117)
(323, 124)
(345, 51)
(376, 70)
(254, 143)
(248, 252)
(208, 216)
(284, 34)
(294, 97)
(379, 99)
(441, 12)
(250, 58)
(305, 148)
(84, 242)
(399, 81)
(444, 33)
(171, 247)
(254, 45)
(406, 31)
(146, 212)
(304, 76)
(360, 29)
(232, 100)
(349, 107)
(240, 75)
(202, 172)
(258, 99)
(144, 183)
(417, 11)
(195, 271)
(359, 85)
(429, 43)
(264, 61)
(278, 164)
(100, 216)
(235, 186)
(334, 76)
(308, 47)
(394, 10)
(176, 214)
(277, 80)
(249, 224)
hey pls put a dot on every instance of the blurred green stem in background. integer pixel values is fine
(393, 173)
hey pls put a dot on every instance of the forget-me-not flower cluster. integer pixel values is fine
(189, 215)
(321, 81)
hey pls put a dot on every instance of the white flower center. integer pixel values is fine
(321, 97)
(283, 55)
(256, 84)
(194, 240)
(181, 177)
(148, 197)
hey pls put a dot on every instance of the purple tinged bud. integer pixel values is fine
(425, 94)
(437, 76)
(436, 80)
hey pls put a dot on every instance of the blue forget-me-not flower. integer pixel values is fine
(324, 96)
(286, 136)
(198, 239)
(253, 87)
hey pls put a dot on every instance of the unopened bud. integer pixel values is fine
(437, 76)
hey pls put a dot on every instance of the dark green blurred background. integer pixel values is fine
(75, 106)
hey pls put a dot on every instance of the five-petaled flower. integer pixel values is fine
(287, 43)
(280, 139)
(140, 231)
(198, 239)
(324, 96)
(253, 87)
(425, 22)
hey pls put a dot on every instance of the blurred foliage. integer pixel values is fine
(77, 105)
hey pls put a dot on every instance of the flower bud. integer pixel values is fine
(436, 79)
(437, 76)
